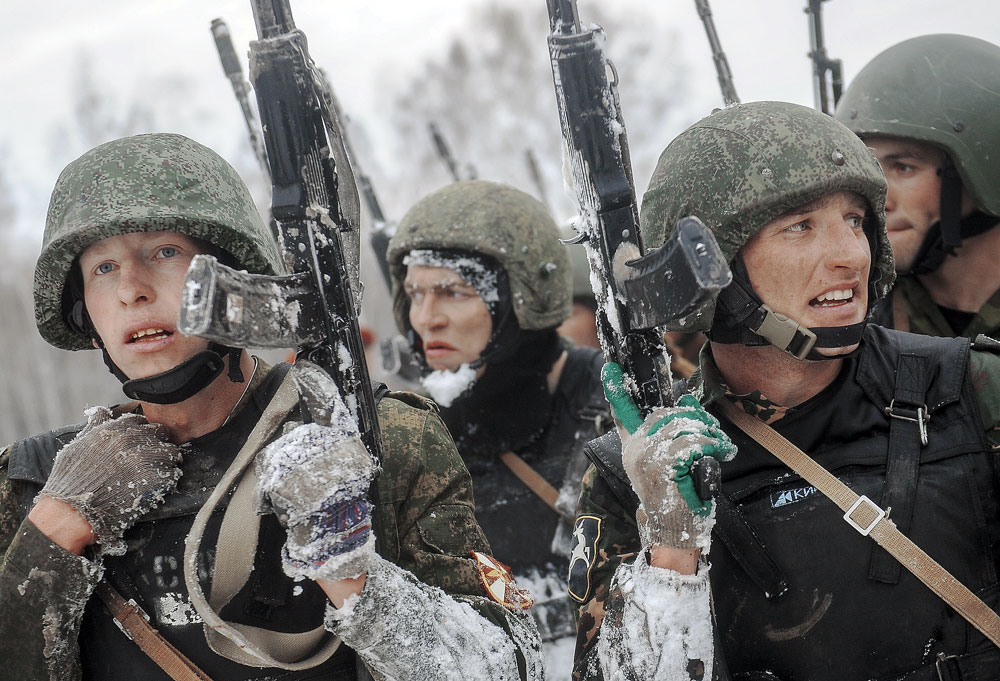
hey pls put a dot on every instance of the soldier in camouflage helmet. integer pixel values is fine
(927, 107)
(480, 284)
(116, 503)
(796, 203)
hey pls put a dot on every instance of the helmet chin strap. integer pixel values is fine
(946, 235)
(741, 317)
(184, 380)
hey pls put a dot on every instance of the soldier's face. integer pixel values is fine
(812, 263)
(453, 322)
(913, 203)
(132, 286)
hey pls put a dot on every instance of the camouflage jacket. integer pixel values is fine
(427, 529)
(608, 538)
(910, 299)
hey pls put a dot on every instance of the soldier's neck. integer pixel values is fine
(968, 279)
(203, 412)
(785, 380)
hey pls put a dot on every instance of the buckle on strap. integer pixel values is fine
(869, 513)
(947, 667)
(130, 604)
(920, 417)
(785, 333)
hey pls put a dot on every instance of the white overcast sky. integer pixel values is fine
(133, 44)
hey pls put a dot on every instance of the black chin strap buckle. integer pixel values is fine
(177, 384)
(785, 333)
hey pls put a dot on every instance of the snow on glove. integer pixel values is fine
(113, 472)
(658, 457)
(315, 478)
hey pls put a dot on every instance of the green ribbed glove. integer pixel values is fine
(658, 456)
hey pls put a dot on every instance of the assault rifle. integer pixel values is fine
(444, 151)
(315, 213)
(234, 72)
(725, 75)
(635, 295)
(826, 91)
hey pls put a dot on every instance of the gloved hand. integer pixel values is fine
(658, 456)
(113, 472)
(315, 478)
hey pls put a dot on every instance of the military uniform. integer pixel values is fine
(428, 529)
(797, 608)
(943, 91)
(509, 407)
(413, 616)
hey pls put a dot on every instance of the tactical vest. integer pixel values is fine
(522, 530)
(151, 572)
(801, 596)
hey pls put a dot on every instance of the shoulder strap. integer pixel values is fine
(867, 518)
(134, 623)
(534, 481)
(234, 560)
(907, 434)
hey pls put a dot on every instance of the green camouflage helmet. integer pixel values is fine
(938, 89)
(146, 183)
(745, 165)
(495, 220)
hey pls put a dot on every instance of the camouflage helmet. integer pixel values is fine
(147, 183)
(745, 165)
(937, 89)
(498, 221)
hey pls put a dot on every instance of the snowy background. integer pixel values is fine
(77, 74)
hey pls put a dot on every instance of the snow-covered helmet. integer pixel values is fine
(497, 221)
(146, 183)
(740, 168)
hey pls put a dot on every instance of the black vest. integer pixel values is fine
(801, 596)
(151, 572)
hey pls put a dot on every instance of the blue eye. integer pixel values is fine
(104, 268)
(168, 251)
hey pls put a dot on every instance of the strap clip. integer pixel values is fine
(124, 614)
(785, 333)
(920, 417)
(947, 667)
(876, 514)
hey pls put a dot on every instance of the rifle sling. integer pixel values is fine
(135, 624)
(533, 481)
(870, 520)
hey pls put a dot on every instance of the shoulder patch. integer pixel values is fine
(499, 584)
(586, 534)
(985, 343)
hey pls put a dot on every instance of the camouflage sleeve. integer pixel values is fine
(9, 519)
(984, 368)
(43, 591)
(428, 528)
(605, 536)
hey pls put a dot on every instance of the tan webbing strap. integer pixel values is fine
(900, 316)
(533, 481)
(135, 624)
(243, 643)
(867, 518)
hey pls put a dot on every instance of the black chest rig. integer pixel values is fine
(810, 598)
(152, 571)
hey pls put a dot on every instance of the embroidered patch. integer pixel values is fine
(499, 584)
(585, 535)
(790, 496)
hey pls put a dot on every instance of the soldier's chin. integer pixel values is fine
(835, 352)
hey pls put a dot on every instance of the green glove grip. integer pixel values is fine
(622, 404)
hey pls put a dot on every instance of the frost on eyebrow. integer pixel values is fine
(471, 271)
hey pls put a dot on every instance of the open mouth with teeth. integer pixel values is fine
(833, 298)
(147, 335)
